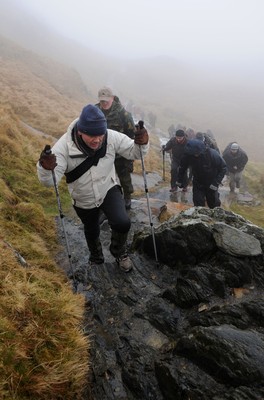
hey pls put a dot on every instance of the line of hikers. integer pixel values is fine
(96, 156)
(197, 160)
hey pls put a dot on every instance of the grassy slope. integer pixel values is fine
(254, 176)
(43, 94)
(42, 348)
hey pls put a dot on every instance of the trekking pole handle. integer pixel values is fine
(47, 149)
(141, 124)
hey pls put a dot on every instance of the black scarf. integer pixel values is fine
(92, 157)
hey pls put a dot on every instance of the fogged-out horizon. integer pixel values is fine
(224, 95)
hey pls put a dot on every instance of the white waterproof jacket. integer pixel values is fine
(90, 189)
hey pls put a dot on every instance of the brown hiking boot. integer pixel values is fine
(124, 262)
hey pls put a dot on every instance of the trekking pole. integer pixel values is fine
(141, 125)
(47, 150)
(163, 163)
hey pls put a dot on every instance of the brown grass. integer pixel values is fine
(43, 351)
(35, 100)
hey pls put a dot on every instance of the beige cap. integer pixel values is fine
(234, 146)
(105, 94)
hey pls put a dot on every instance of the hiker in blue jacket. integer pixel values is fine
(208, 168)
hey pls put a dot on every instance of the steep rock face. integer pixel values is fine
(188, 327)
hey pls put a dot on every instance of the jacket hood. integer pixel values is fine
(195, 147)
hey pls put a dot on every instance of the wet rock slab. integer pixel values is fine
(188, 327)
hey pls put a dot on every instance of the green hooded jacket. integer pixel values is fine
(119, 119)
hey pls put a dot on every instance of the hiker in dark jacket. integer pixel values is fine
(208, 168)
(236, 160)
(176, 146)
(208, 139)
(118, 119)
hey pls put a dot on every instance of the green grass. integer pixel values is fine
(254, 178)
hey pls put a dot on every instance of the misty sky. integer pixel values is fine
(211, 31)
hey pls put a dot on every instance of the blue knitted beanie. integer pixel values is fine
(92, 121)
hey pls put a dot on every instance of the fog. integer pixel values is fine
(222, 33)
(195, 62)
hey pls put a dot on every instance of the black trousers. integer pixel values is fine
(114, 208)
(175, 172)
(202, 194)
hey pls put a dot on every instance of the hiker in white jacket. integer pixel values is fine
(85, 154)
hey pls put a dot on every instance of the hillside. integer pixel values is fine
(43, 93)
(227, 102)
(45, 348)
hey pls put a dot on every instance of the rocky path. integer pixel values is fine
(159, 189)
(132, 325)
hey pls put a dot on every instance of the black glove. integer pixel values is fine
(163, 147)
(141, 135)
(47, 159)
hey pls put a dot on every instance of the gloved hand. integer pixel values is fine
(141, 135)
(163, 147)
(47, 159)
(179, 184)
(213, 187)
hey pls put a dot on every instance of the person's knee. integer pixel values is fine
(91, 232)
(122, 226)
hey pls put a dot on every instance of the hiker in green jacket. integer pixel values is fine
(118, 119)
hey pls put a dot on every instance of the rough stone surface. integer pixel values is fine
(235, 242)
(190, 326)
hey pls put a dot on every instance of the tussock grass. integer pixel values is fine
(19, 152)
(254, 177)
(253, 214)
(43, 350)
